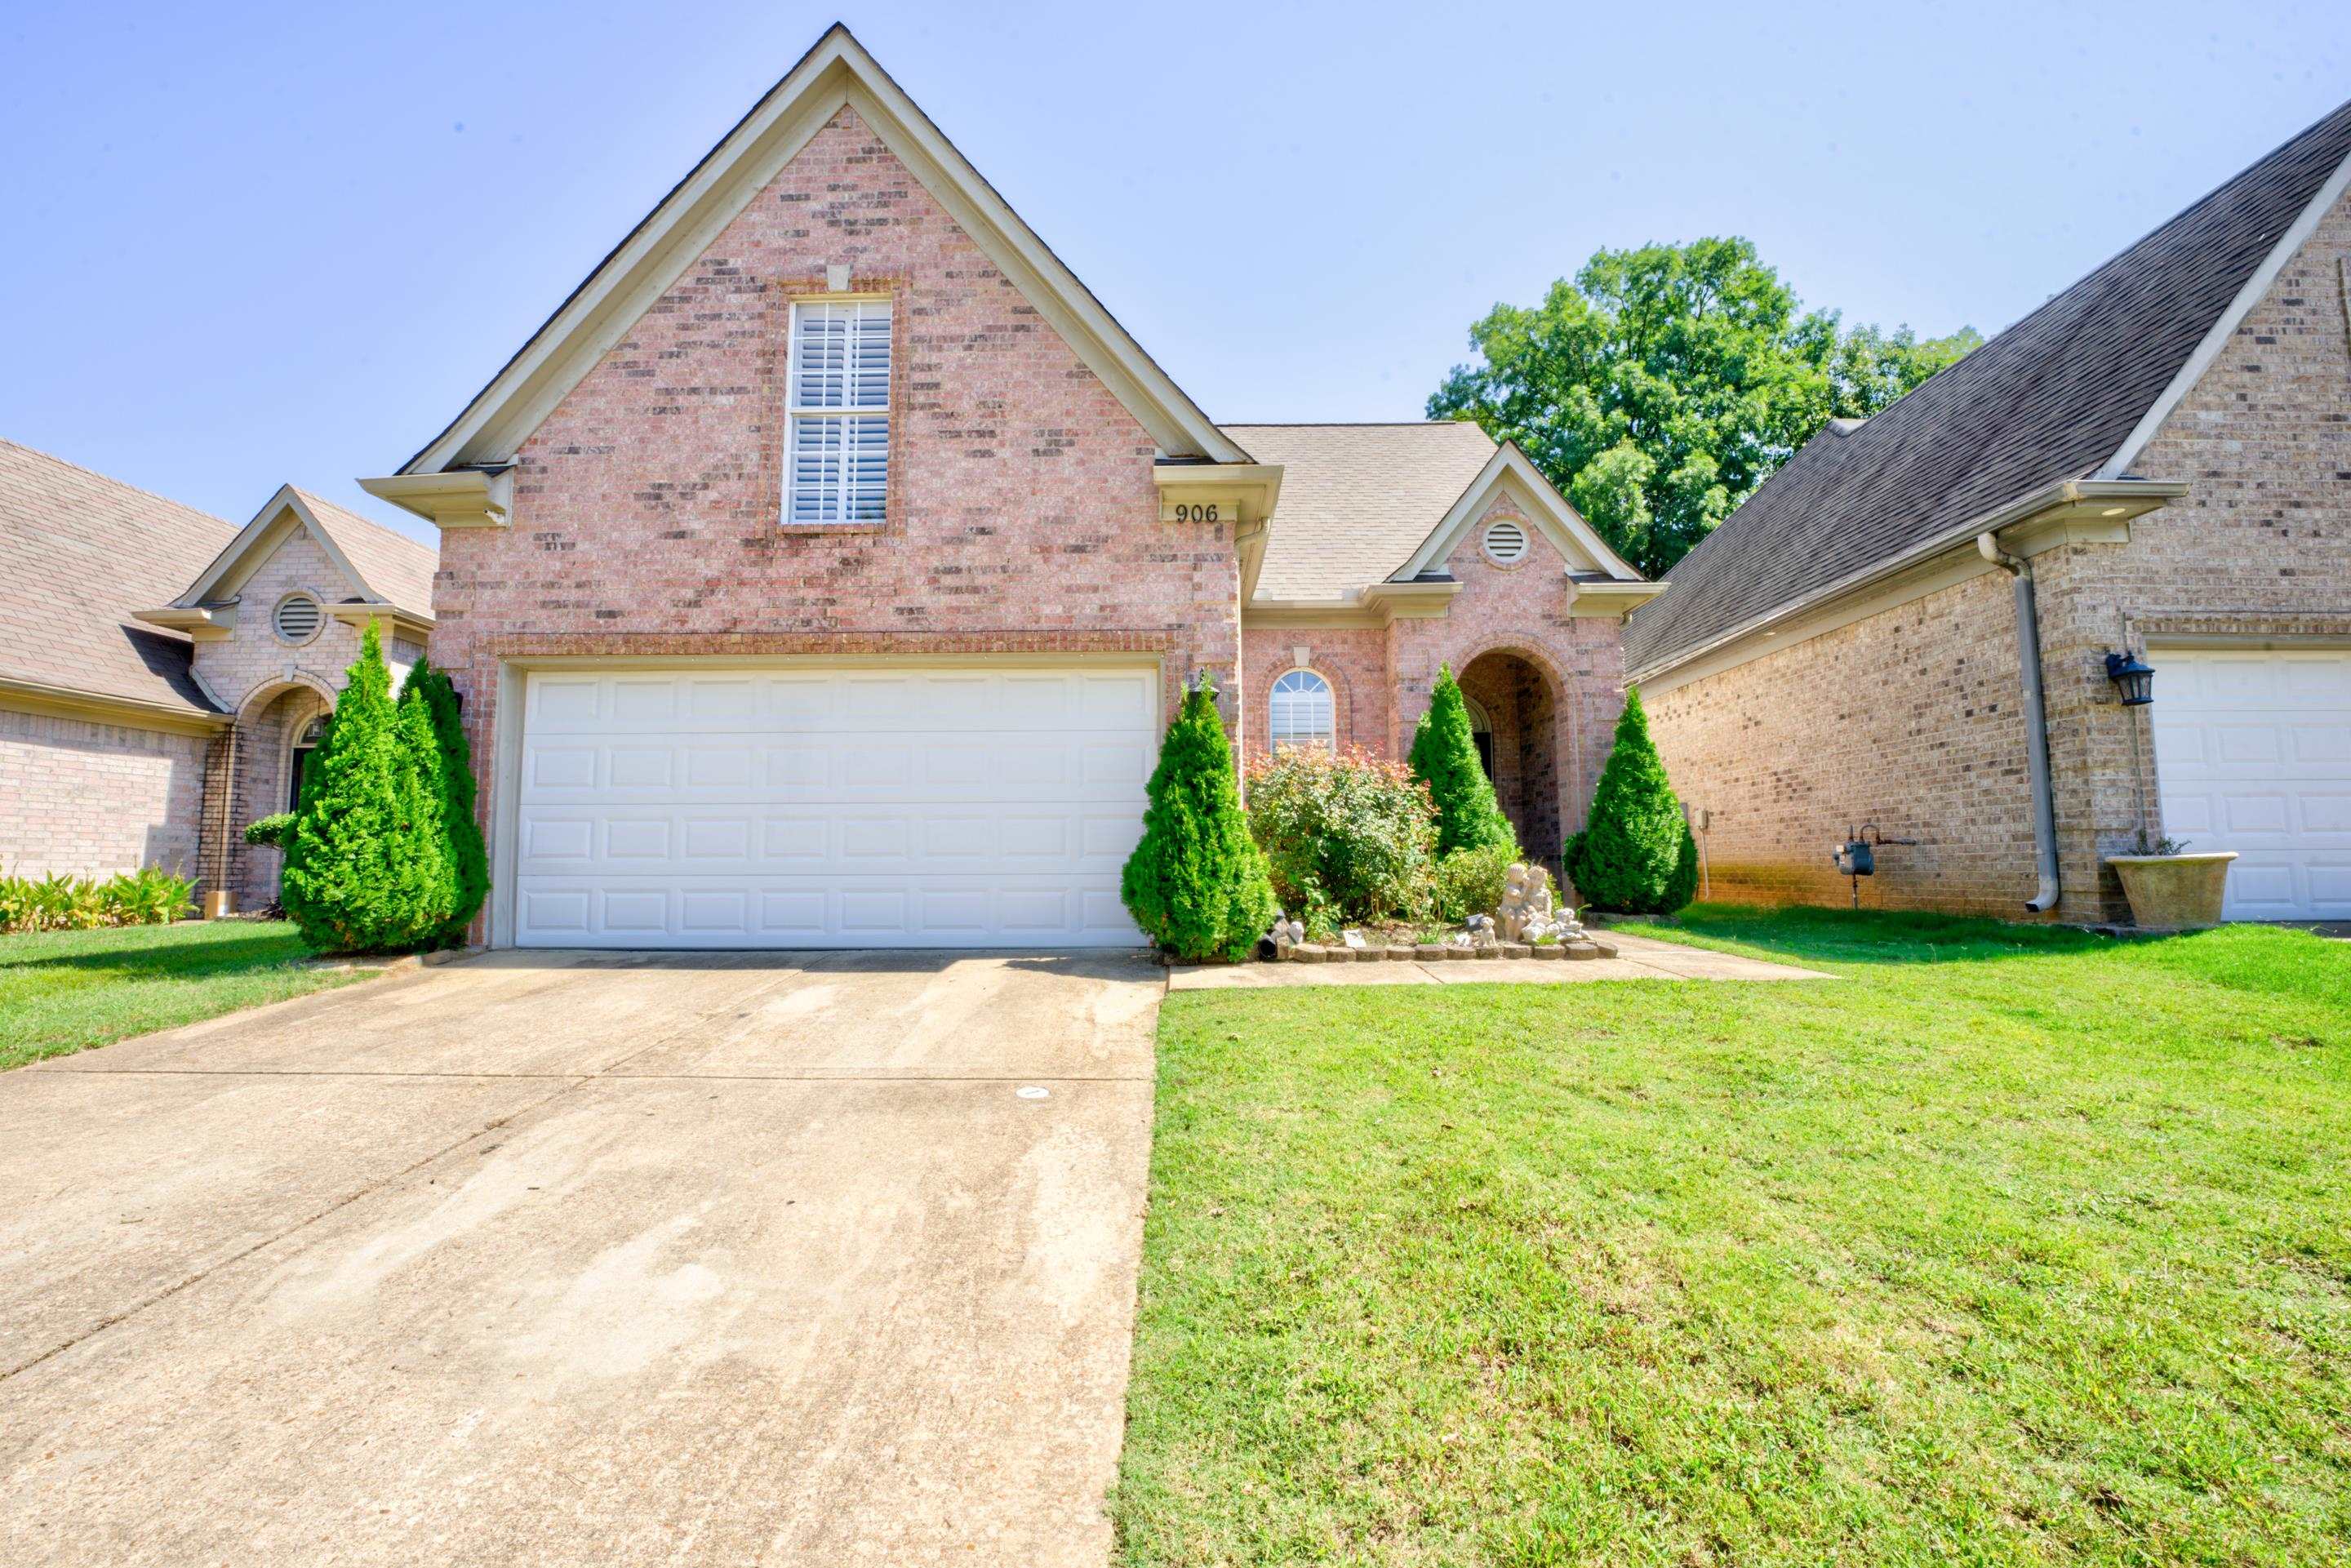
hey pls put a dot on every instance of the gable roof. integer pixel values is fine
(1510, 471)
(380, 567)
(836, 72)
(2071, 391)
(80, 555)
(1358, 500)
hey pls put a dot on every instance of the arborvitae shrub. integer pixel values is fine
(1444, 757)
(1196, 883)
(1636, 856)
(364, 869)
(468, 861)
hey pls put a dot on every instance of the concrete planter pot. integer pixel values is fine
(2174, 893)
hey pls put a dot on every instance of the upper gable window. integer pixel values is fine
(838, 444)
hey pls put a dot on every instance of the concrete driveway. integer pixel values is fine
(570, 1257)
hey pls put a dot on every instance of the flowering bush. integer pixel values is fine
(1348, 838)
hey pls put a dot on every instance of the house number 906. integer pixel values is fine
(1201, 513)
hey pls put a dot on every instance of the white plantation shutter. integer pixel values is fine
(837, 465)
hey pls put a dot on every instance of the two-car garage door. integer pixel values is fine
(794, 807)
(2252, 750)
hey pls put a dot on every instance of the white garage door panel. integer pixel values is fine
(870, 807)
(2252, 752)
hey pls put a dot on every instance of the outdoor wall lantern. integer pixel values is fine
(2133, 677)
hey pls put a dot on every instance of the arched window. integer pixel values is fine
(1301, 711)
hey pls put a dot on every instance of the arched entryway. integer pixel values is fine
(1519, 704)
(276, 732)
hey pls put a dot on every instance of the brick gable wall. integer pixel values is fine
(1022, 515)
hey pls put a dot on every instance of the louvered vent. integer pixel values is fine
(1506, 541)
(298, 617)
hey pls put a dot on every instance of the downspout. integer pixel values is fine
(2036, 721)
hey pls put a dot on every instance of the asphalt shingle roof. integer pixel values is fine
(79, 554)
(2049, 399)
(1357, 499)
(397, 568)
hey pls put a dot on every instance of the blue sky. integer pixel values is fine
(252, 244)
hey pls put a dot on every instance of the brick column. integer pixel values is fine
(213, 835)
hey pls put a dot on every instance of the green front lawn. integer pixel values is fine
(62, 991)
(2007, 1246)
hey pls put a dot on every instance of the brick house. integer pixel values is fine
(2155, 462)
(823, 571)
(161, 671)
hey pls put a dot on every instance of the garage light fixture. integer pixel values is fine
(2133, 677)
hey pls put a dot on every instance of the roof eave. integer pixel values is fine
(2107, 499)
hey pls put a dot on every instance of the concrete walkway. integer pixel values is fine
(1637, 958)
(585, 1260)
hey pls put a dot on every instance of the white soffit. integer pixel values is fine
(837, 71)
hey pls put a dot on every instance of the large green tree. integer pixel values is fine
(1660, 386)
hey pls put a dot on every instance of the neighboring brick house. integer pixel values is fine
(823, 571)
(2166, 446)
(160, 669)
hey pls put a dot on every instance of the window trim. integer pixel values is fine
(318, 602)
(1274, 744)
(794, 412)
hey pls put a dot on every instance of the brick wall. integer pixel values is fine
(1911, 718)
(1022, 514)
(89, 799)
(1354, 659)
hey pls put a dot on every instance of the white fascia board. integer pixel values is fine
(1561, 523)
(837, 71)
(2224, 328)
(269, 528)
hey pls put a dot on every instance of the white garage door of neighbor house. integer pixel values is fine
(882, 807)
(2252, 752)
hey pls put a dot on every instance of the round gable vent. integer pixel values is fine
(1506, 541)
(297, 618)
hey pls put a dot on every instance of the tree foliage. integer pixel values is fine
(1444, 757)
(1196, 882)
(450, 761)
(1661, 385)
(1636, 856)
(365, 870)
